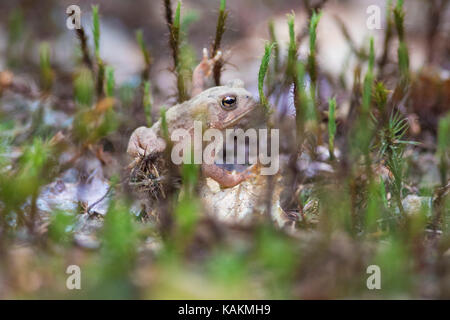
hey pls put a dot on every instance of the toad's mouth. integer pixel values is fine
(236, 118)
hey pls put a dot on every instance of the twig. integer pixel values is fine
(173, 24)
(84, 48)
(215, 47)
(88, 210)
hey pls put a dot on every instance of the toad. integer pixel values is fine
(218, 107)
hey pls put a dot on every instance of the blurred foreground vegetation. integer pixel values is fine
(383, 200)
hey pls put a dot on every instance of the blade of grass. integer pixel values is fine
(331, 126)
(147, 103)
(146, 55)
(262, 74)
(110, 81)
(292, 49)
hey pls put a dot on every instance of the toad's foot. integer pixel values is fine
(143, 141)
(203, 70)
(226, 178)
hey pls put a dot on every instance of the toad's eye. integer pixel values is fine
(229, 102)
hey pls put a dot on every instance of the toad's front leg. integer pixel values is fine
(224, 177)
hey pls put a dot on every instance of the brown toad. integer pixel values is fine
(219, 107)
